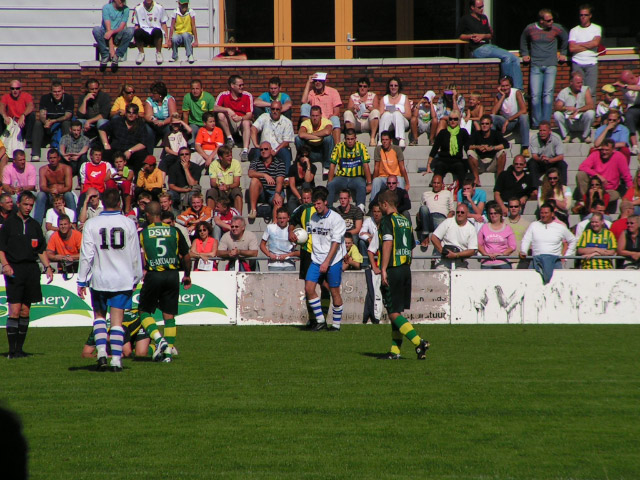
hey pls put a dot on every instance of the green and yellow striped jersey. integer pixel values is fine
(350, 162)
(301, 216)
(397, 228)
(604, 239)
(162, 245)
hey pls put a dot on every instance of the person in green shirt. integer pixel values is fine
(396, 242)
(194, 105)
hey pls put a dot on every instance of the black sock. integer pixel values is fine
(23, 326)
(12, 334)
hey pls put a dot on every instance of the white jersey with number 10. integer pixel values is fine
(110, 256)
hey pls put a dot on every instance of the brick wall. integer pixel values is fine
(416, 78)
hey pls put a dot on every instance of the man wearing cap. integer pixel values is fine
(422, 116)
(150, 178)
(609, 101)
(544, 44)
(630, 84)
(316, 93)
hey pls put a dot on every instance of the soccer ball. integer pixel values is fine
(301, 235)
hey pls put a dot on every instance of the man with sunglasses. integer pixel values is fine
(276, 129)
(516, 182)
(612, 128)
(455, 239)
(18, 106)
(487, 152)
(267, 181)
(126, 134)
(584, 41)
(475, 29)
(543, 44)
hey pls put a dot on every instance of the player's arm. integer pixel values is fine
(387, 247)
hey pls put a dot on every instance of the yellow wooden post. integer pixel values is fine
(404, 27)
(282, 28)
(344, 27)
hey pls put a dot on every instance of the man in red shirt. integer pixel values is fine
(18, 106)
(234, 108)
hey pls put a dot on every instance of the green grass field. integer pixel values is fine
(490, 402)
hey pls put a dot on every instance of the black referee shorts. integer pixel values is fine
(24, 286)
(160, 290)
(397, 296)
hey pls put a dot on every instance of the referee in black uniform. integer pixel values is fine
(21, 243)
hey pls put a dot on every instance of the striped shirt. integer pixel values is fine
(301, 216)
(275, 169)
(350, 162)
(397, 228)
(604, 239)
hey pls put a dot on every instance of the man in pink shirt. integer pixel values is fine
(19, 175)
(234, 108)
(18, 106)
(607, 164)
(327, 98)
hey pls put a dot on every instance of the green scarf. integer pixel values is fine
(453, 140)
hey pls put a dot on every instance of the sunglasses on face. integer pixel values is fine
(553, 178)
(129, 92)
(461, 212)
(514, 206)
(265, 149)
(15, 88)
(453, 119)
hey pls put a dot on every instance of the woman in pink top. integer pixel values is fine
(495, 238)
(204, 249)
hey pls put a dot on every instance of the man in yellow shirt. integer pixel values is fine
(150, 178)
(316, 133)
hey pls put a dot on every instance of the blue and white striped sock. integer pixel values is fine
(317, 309)
(337, 316)
(116, 341)
(100, 336)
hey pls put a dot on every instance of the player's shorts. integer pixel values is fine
(397, 296)
(305, 261)
(333, 275)
(160, 290)
(100, 300)
(24, 286)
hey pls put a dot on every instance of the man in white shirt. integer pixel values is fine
(455, 239)
(547, 237)
(276, 129)
(111, 266)
(151, 24)
(327, 229)
(584, 41)
(276, 245)
(437, 205)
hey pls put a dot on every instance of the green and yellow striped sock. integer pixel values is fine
(406, 329)
(170, 331)
(396, 341)
(151, 327)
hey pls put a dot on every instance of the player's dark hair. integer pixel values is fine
(320, 193)
(167, 215)
(153, 209)
(111, 198)
(349, 131)
(26, 194)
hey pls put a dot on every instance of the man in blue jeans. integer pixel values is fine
(475, 29)
(113, 32)
(350, 169)
(543, 44)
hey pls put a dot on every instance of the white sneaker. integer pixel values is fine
(140, 58)
(634, 150)
(158, 355)
(362, 208)
(159, 58)
(402, 143)
(190, 59)
(35, 158)
(171, 60)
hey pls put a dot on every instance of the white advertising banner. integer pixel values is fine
(211, 300)
(571, 297)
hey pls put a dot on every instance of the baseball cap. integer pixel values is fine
(429, 94)
(608, 88)
(183, 1)
(150, 160)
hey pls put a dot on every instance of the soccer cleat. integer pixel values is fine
(244, 156)
(319, 326)
(421, 350)
(20, 354)
(310, 324)
(333, 329)
(140, 58)
(102, 364)
(159, 58)
(11, 355)
(190, 59)
(391, 356)
(167, 360)
(115, 368)
(158, 355)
